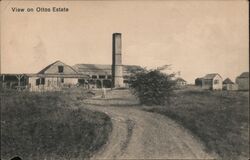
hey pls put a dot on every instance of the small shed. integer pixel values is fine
(243, 81)
(198, 81)
(180, 82)
(212, 81)
(228, 84)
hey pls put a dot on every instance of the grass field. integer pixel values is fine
(50, 125)
(219, 118)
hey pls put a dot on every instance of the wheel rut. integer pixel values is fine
(138, 134)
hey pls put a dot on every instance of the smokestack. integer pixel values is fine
(117, 68)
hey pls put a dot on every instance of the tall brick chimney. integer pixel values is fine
(117, 68)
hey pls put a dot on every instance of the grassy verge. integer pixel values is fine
(220, 119)
(50, 125)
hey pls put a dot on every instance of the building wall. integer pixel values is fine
(207, 84)
(230, 87)
(51, 84)
(32, 84)
(181, 83)
(217, 83)
(71, 81)
(243, 83)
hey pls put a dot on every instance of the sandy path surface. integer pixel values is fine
(139, 134)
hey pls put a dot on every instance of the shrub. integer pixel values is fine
(152, 87)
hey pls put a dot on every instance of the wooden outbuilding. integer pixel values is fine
(243, 81)
(228, 84)
(198, 82)
(180, 82)
(212, 81)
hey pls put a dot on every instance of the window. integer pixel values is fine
(60, 69)
(102, 76)
(91, 81)
(40, 81)
(216, 81)
(94, 76)
(62, 80)
(81, 81)
(37, 81)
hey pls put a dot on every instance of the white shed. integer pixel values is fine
(212, 81)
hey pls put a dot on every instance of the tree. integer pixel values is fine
(153, 87)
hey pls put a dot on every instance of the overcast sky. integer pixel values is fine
(196, 37)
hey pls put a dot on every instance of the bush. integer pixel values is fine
(152, 87)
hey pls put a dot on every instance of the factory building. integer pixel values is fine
(59, 75)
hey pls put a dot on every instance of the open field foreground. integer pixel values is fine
(218, 118)
(138, 134)
(197, 124)
(37, 126)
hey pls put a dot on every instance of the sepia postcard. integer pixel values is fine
(143, 79)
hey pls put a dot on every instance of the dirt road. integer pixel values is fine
(142, 135)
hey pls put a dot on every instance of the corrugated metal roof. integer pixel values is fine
(93, 68)
(84, 69)
(102, 68)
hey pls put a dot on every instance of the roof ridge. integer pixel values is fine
(211, 75)
(47, 67)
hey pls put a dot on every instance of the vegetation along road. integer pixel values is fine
(138, 134)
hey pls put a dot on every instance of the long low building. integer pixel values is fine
(100, 75)
(59, 75)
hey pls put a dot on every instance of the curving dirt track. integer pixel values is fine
(139, 134)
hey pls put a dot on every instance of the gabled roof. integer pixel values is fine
(180, 79)
(102, 68)
(211, 76)
(199, 79)
(228, 81)
(244, 75)
(45, 69)
(52, 69)
(92, 67)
